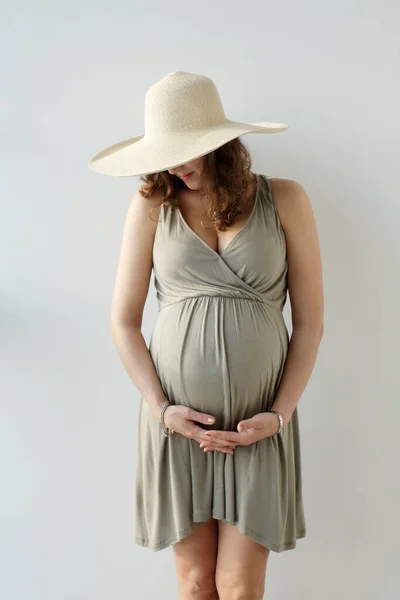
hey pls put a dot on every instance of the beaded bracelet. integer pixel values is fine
(166, 430)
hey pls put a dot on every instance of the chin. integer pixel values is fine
(193, 183)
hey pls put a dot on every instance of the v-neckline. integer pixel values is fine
(237, 234)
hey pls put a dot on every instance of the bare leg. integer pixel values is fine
(241, 565)
(195, 560)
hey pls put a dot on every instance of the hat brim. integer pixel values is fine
(144, 155)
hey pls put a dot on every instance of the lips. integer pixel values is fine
(187, 176)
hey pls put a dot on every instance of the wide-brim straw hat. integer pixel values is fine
(184, 120)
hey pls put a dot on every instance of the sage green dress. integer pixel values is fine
(219, 345)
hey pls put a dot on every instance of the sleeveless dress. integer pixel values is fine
(219, 345)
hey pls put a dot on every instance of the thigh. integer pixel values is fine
(195, 560)
(241, 565)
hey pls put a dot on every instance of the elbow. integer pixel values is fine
(118, 326)
(113, 331)
(314, 330)
(114, 328)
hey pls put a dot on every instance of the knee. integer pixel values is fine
(243, 589)
(197, 584)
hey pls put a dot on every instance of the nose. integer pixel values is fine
(175, 169)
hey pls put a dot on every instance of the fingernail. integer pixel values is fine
(211, 419)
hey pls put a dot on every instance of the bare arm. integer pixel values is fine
(130, 294)
(305, 290)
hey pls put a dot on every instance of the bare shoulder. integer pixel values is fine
(292, 202)
(144, 211)
(135, 259)
(140, 226)
(303, 252)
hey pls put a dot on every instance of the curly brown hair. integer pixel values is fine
(227, 169)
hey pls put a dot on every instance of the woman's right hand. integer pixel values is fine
(183, 420)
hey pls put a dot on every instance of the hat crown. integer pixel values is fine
(182, 101)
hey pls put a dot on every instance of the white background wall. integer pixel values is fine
(74, 77)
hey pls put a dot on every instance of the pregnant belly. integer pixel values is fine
(222, 356)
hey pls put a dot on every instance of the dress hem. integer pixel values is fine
(183, 533)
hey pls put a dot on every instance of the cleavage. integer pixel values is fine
(194, 214)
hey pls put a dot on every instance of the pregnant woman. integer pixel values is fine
(218, 474)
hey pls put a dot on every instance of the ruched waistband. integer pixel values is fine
(225, 297)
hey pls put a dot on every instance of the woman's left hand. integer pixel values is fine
(251, 430)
